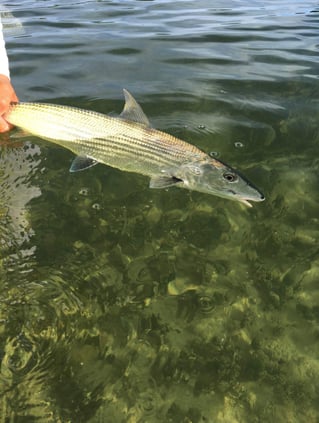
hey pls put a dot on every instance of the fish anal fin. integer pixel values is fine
(132, 111)
(82, 163)
(164, 181)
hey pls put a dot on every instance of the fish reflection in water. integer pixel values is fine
(17, 167)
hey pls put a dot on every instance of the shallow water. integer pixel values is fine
(123, 304)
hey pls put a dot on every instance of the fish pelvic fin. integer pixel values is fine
(82, 163)
(132, 111)
(164, 181)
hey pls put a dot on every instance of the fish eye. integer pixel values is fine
(230, 177)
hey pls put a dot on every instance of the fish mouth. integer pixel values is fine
(247, 203)
(246, 200)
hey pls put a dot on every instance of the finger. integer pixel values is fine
(4, 126)
(14, 98)
(4, 103)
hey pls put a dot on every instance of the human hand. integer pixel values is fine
(7, 95)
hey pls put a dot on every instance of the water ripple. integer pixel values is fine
(118, 302)
(211, 43)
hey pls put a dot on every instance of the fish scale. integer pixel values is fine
(118, 142)
(129, 143)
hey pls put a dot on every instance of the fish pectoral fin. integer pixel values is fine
(132, 111)
(164, 181)
(82, 163)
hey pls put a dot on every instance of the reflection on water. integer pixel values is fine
(123, 304)
(18, 166)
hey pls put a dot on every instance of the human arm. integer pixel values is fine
(7, 92)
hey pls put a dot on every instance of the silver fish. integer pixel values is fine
(129, 143)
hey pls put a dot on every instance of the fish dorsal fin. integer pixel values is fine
(133, 111)
(82, 163)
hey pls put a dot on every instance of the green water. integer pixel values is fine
(123, 304)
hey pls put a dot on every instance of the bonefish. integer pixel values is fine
(129, 143)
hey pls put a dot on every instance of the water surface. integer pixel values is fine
(123, 304)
